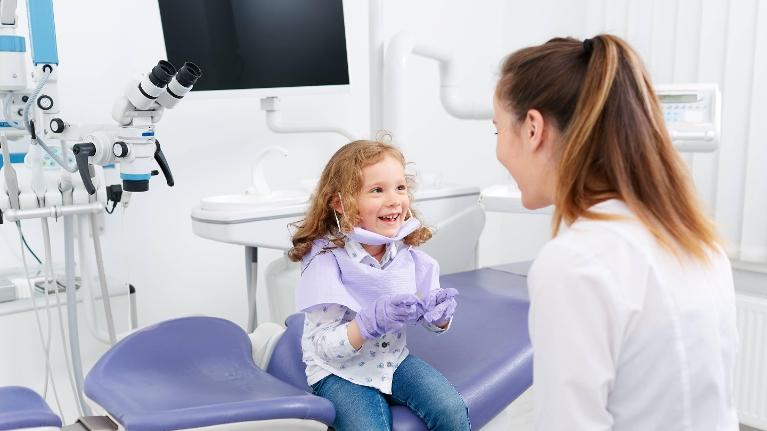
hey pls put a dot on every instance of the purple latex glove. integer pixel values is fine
(389, 313)
(439, 306)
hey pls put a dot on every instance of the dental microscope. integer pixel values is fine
(44, 185)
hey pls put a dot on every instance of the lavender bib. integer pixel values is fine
(331, 276)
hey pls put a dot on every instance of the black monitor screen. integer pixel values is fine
(242, 44)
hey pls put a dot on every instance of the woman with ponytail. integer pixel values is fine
(632, 316)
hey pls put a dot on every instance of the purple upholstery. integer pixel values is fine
(486, 353)
(193, 372)
(519, 268)
(23, 408)
(286, 362)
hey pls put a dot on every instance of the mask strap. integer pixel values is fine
(338, 224)
(340, 201)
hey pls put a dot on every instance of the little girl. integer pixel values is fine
(362, 282)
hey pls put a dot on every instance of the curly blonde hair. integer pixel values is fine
(343, 175)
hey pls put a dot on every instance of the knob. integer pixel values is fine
(120, 149)
(45, 102)
(57, 125)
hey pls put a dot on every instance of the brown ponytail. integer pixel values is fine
(614, 140)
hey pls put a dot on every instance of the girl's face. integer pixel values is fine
(383, 201)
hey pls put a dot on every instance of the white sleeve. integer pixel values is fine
(577, 321)
(325, 327)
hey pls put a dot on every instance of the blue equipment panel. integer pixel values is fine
(42, 31)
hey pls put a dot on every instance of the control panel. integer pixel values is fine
(693, 114)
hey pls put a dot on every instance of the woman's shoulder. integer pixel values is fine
(592, 259)
(591, 243)
(622, 230)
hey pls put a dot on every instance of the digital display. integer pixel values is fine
(246, 44)
(678, 98)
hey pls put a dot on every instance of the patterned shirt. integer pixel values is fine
(326, 347)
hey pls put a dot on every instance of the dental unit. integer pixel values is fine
(206, 373)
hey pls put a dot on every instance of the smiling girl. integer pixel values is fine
(362, 283)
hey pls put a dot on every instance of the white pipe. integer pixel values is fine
(51, 275)
(376, 52)
(46, 346)
(271, 106)
(102, 279)
(74, 335)
(395, 86)
(86, 284)
(55, 212)
(456, 104)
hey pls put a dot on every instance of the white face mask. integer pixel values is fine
(364, 236)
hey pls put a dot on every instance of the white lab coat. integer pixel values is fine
(625, 337)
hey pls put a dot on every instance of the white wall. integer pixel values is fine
(210, 143)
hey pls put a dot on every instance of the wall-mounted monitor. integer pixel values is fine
(268, 47)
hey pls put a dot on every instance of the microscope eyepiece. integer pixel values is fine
(162, 85)
(180, 85)
(188, 74)
(162, 73)
(144, 93)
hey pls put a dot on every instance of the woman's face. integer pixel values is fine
(524, 148)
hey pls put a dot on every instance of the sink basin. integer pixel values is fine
(263, 220)
(248, 201)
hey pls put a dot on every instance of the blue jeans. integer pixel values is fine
(415, 384)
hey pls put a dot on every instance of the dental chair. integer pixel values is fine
(24, 409)
(197, 373)
(204, 372)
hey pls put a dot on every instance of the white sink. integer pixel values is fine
(244, 201)
(263, 220)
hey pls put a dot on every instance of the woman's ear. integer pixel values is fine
(534, 125)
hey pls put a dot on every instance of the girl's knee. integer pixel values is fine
(452, 412)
